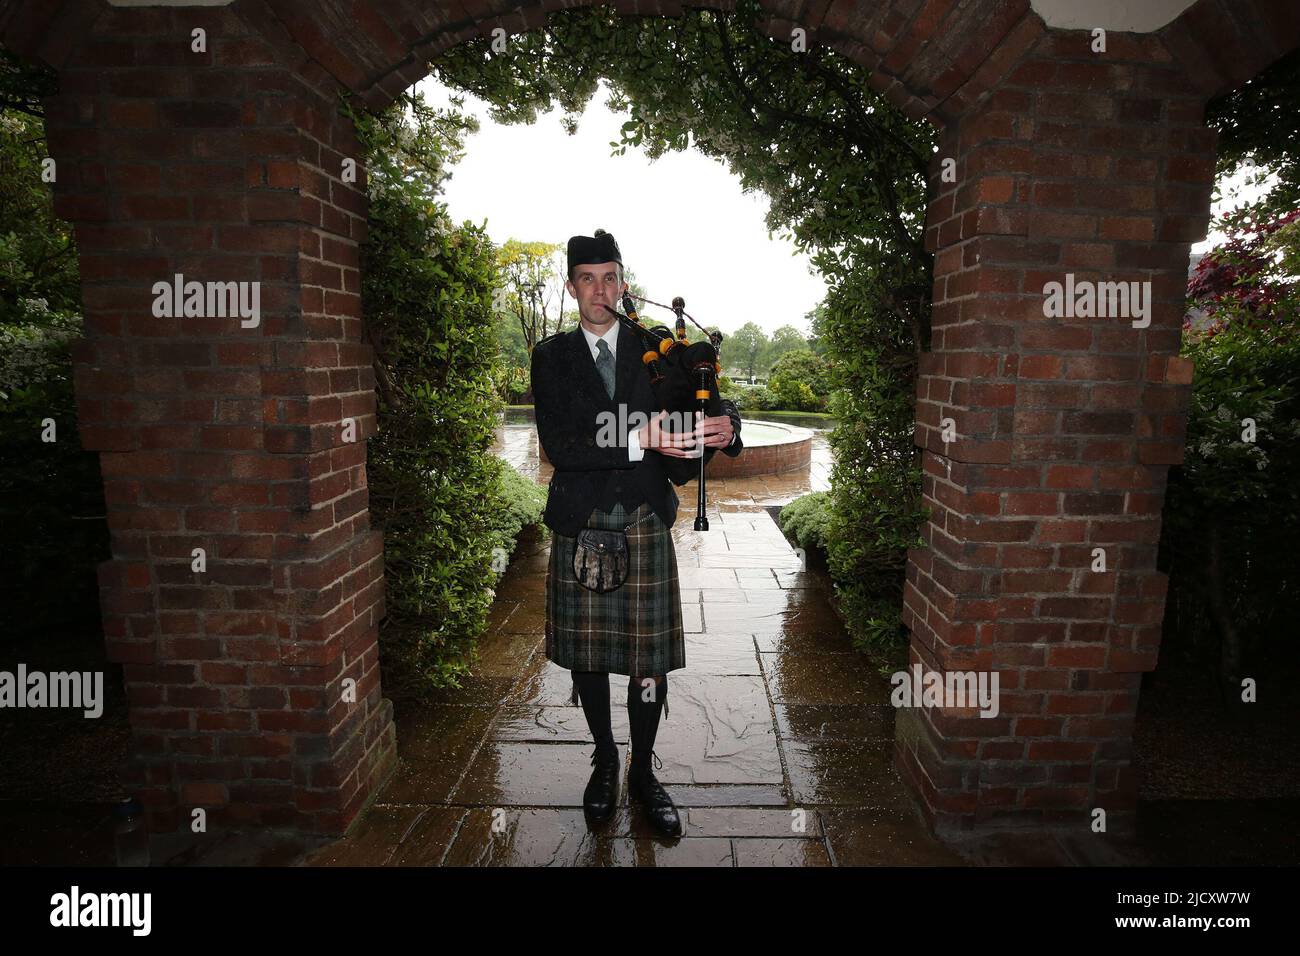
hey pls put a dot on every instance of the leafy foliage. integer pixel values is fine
(523, 504)
(1232, 510)
(784, 340)
(745, 347)
(750, 350)
(806, 519)
(38, 254)
(512, 348)
(845, 170)
(532, 276)
(436, 490)
(1259, 123)
(801, 381)
(24, 85)
(876, 478)
(52, 527)
(512, 384)
(757, 399)
(1253, 273)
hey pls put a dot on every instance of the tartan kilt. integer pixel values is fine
(634, 630)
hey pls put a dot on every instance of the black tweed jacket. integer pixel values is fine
(569, 398)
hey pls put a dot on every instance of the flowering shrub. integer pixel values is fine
(1232, 510)
(1253, 274)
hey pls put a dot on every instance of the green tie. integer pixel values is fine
(605, 365)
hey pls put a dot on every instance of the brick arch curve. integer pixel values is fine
(921, 76)
(225, 165)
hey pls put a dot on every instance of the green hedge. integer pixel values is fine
(877, 511)
(758, 399)
(442, 499)
(805, 520)
(523, 502)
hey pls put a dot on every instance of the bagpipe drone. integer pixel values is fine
(684, 379)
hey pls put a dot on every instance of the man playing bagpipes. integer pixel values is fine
(613, 602)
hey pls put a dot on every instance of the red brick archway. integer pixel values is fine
(225, 165)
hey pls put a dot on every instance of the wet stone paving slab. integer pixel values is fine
(777, 746)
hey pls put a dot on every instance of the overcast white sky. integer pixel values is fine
(682, 223)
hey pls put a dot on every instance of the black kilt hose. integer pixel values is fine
(635, 629)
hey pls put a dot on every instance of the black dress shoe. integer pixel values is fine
(601, 795)
(658, 805)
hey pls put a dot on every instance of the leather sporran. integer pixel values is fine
(600, 559)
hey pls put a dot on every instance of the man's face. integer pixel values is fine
(594, 287)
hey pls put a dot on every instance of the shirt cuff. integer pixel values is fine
(634, 450)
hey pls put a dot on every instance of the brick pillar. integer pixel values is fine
(1063, 430)
(222, 166)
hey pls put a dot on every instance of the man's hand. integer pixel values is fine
(717, 431)
(673, 444)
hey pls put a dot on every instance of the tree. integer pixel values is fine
(1252, 274)
(1259, 123)
(745, 347)
(804, 365)
(510, 341)
(800, 380)
(38, 254)
(635, 288)
(24, 86)
(784, 340)
(816, 317)
(533, 287)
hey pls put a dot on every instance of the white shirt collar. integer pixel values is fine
(610, 337)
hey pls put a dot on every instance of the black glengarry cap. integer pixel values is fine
(593, 250)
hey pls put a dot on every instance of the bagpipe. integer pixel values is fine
(684, 380)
